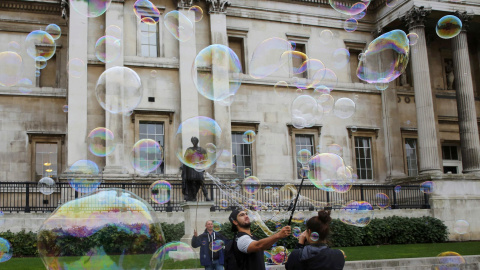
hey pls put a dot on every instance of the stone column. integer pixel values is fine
(467, 115)
(428, 153)
(218, 32)
(77, 88)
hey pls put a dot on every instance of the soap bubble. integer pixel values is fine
(25, 85)
(124, 91)
(335, 149)
(279, 254)
(40, 62)
(382, 200)
(146, 156)
(114, 31)
(248, 136)
(448, 27)
(266, 58)
(46, 185)
(54, 31)
(65, 108)
(303, 156)
(198, 12)
(207, 131)
(11, 68)
(427, 187)
(217, 72)
(357, 213)
(344, 108)
(449, 260)
(216, 245)
(314, 236)
(327, 102)
(101, 142)
(350, 7)
(341, 58)
(179, 25)
(281, 88)
(92, 8)
(296, 231)
(37, 73)
(360, 15)
(328, 79)
(315, 67)
(13, 46)
(326, 36)
(172, 254)
(40, 43)
(397, 189)
(298, 217)
(89, 222)
(392, 48)
(224, 204)
(461, 226)
(350, 25)
(145, 9)
(76, 68)
(83, 176)
(160, 191)
(247, 172)
(108, 49)
(251, 184)
(6, 251)
(381, 86)
(294, 62)
(304, 107)
(412, 39)
(326, 169)
(217, 226)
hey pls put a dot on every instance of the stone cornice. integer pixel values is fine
(44, 7)
(465, 18)
(218, 6)
(184, 3)
(416, 16)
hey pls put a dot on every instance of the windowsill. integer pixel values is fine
(141, 61)
(36, 92)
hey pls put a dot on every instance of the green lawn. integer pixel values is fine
(353, 254)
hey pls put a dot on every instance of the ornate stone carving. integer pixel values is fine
(465, 18)
(377, 32)
(416, 16)
(184, 3)
(65, 9)
(218, 6)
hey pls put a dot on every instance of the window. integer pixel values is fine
(297, 62)
(363, 158)
(149, 39)
(411, 155)
(237, 46)
(354, 54)
(303, 141)
(48, 75)
(242, 153)
(449, 152)
(154, 131)
(451, 159)
(46, 160)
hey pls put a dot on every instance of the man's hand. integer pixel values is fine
(284, 232)
(195, 233)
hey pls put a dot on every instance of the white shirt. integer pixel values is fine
(243, 243)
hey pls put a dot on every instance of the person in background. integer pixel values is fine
(211, 259)
(317, 255)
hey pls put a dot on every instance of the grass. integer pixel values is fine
(353, 254)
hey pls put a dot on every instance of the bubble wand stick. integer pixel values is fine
(291, 215)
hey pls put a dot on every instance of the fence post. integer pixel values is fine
(394, 205)
(328, 198)
(27, 198)
(362, 193)
(426, 204)
(211, 192)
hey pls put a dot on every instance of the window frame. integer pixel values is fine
(303, 40)
(358, 46)
(371, 133)
(315, 130)
(242, 127)
(35, 138)
(160, 34)
(405, 157)
(241, 33)
(453, 162)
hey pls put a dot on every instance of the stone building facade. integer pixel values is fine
(418, 126)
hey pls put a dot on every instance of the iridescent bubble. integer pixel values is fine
(25, 85)
(124, 91)
(326, 36)
(216, 245)
(248, 136)
(114, 31)
(217, 226)
(353, 128)
(281, 88)
(217, 72)
(84, 176)
(326, 169)
(350, 25)
(65, 108)
(341, 58)
(6, 251)
(179, 25)
(304, 107)
(382, 200)
(350, 7)
(251, 184)
(54, 31)
(315, 67)
(412, 39)
(448, 27)
(344, 108)
(303, 156)
(427, 187)
(449, 260)
(360, 15)
(247, 172)
(321, 90)
(13, 46)
(381, 86)
(294, 62)
(46, 185)
(391, 48)
(397, 189)
(279, 254)
(391, 3)
(76, 68)
(314, 237)
(461, 226)
(40, 43)
(108, 49)
(224, 204)
(146, 156)
(11, 68)
(327, 102)
(328, 79)
(357, 213)
(40, 62)
(92, 8)
(145, 9)
(296, 231)
(37, 73)
(198, 12)
(160, 191)
(298, 217)
(101, 142)
(267, 57)
(201, 130)
(173, 254)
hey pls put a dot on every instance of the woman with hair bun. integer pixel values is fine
(312, 252)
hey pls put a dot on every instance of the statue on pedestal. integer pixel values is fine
(193, 180)
(450, 74)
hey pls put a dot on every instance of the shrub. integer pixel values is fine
(23, 243)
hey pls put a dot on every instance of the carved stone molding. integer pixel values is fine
(465, 18)
(416, 16)
(184, 3)
(65, 7)
(377, 32)
(48, 7)
(218, 6)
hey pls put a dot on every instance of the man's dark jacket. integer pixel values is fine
(204, 241)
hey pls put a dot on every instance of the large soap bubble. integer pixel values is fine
(83, 176)
(350, 7)
(106, 229)
(119, 90)
(267, 57)
(304, 107)
(385, 59)
(179, 25)
(145, 9)
(170, 255)
(40, 44)
(327, 170)
(91, 8)
(198, 142)
(357, 213)
(11, 68)
(217, 72)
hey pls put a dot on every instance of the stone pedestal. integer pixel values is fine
(195, 217)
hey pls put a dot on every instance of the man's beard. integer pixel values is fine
(244, 225)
